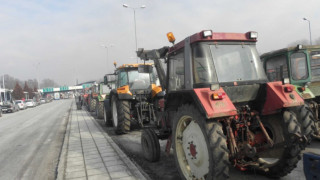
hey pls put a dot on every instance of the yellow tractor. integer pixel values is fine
(134, 97)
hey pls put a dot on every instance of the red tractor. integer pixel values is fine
(219, 109)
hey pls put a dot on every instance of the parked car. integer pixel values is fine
(21, 104)
(10, 107)
(42, 101)
(30, 103)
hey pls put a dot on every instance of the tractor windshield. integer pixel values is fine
(138, 80)
(237, 63)
(299, 67)
(315, 65)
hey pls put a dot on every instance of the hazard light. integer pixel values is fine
(288, 89)
(171, 37)
(218, 96)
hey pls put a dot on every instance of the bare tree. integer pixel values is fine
(48, 83)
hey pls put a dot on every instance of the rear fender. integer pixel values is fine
(107, 107)
(278, 99)
(306, 94)
(215, 108)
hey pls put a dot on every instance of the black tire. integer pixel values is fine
(93, 104)
(99, 110)
(120, 115)
(306, 119)
(289, 151)
(150, 145)
(204, 135)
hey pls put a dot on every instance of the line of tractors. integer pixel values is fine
(217, 103)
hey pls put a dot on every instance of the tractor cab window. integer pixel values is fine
(273, 66)
(315, 65)
(237, 62)
(176, 71)
(138, 80)
(299, 67)
(122, 78)
(203, 69)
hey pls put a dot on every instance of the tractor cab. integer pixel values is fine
(296, 64)
(132, 80)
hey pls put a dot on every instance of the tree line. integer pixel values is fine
(30, 85)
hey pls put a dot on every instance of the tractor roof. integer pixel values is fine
(293, 48)
(133, 65)
(215, 37)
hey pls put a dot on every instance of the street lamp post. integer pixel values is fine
(135, 24)
(309, 29)
(107, 47)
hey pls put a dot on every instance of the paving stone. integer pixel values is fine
(75, 174)
(113, 163)
(97, 171)
(75, 163)
(75, 168)
(127, 178)
(108, 154)
(117, 168)
(111, 158)
(99, 177)
(95, 166)
(79, 178)
(97, 160)
(119, 174)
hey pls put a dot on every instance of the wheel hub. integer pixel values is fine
(196, 152)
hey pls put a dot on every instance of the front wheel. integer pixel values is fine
(120, 115)
(150, 145)
(200, 147)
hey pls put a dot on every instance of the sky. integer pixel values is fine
(61, 39)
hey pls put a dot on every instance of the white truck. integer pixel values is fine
(56, 96)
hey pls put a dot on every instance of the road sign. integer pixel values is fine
(50, 89)
(64, 88)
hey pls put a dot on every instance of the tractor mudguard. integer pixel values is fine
(280, 96)
(215, 107)
(306, 93)
(107, 107)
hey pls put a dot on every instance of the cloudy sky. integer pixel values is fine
(63, 37)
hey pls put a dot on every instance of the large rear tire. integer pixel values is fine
(99, 110)
(93, 104)
(200, 147)
(120, 115)
(287, 148)
(306, 119)
(150, 145)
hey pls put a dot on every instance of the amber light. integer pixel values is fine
(218, 96)
(171, 37)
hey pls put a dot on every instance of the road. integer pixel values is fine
(166, 169)
(31, 141)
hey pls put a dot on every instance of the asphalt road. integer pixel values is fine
(31, 140)
(165, 168)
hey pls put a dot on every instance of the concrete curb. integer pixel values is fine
(63, 154)
(134, 168)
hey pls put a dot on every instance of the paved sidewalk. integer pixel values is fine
(89, 153)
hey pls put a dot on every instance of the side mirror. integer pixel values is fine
(145, 68)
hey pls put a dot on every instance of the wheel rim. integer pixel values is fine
(114, 114)
(191, 149)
